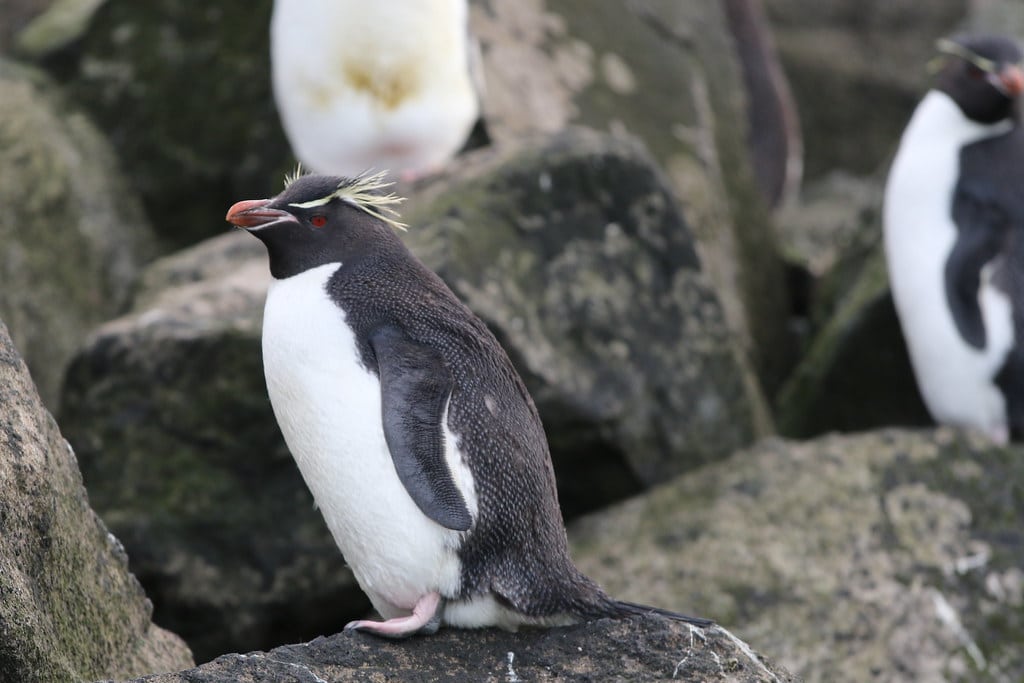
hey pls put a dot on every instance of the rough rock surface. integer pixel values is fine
(889, 556)
(73, 236)
(571, 248)
(69, 607)
(642, 649)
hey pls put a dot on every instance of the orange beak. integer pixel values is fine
(253, 213)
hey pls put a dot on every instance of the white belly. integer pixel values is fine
(955, 379)
(329, 409)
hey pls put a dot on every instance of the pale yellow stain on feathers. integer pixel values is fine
(389, 87)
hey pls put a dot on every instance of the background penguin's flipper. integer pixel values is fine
(415, 386)
(981, 230)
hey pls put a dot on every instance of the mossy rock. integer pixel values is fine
(891, 555)
(69, 608)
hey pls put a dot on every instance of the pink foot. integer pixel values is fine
(425, 618)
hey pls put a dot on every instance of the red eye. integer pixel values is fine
(318, 221)
(975, 72)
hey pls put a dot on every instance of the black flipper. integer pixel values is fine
(981, 230)
(415, 386)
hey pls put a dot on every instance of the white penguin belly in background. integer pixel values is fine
(380, 85)
(329, 407)
(957, 381)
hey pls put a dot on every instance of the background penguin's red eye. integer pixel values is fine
(318, 221)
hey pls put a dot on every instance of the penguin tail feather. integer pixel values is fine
(631, 609)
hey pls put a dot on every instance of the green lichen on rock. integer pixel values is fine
(69, 607)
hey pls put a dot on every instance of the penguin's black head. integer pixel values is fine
(320, 219)
(983, 76)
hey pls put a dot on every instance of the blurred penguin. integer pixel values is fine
(954, 237)
(389, 85)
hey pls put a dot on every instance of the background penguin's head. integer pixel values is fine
(318, 220)
(983, 76)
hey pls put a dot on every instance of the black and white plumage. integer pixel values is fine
(414, 433)
(954, 226)
(387, 85)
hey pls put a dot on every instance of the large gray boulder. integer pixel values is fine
(571, 248)
(642, 649)
(73, 235)
(69, 608)
(888, 556)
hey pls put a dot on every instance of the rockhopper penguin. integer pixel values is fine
(417, 438)
(954, 238)
(388, 84)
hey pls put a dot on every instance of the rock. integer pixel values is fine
(857, 73)
(642, 649)
(666, 73)
(572, 248)
(574, 252)
(14, 15)
(855, 373)
(996, 16)
(73, 235)
(184, 93)
(886, 556)
(69, 607)
(168, 411)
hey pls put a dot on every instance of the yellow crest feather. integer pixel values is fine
(365, 192)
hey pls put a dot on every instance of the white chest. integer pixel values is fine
(329, 409)
(955, 379)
